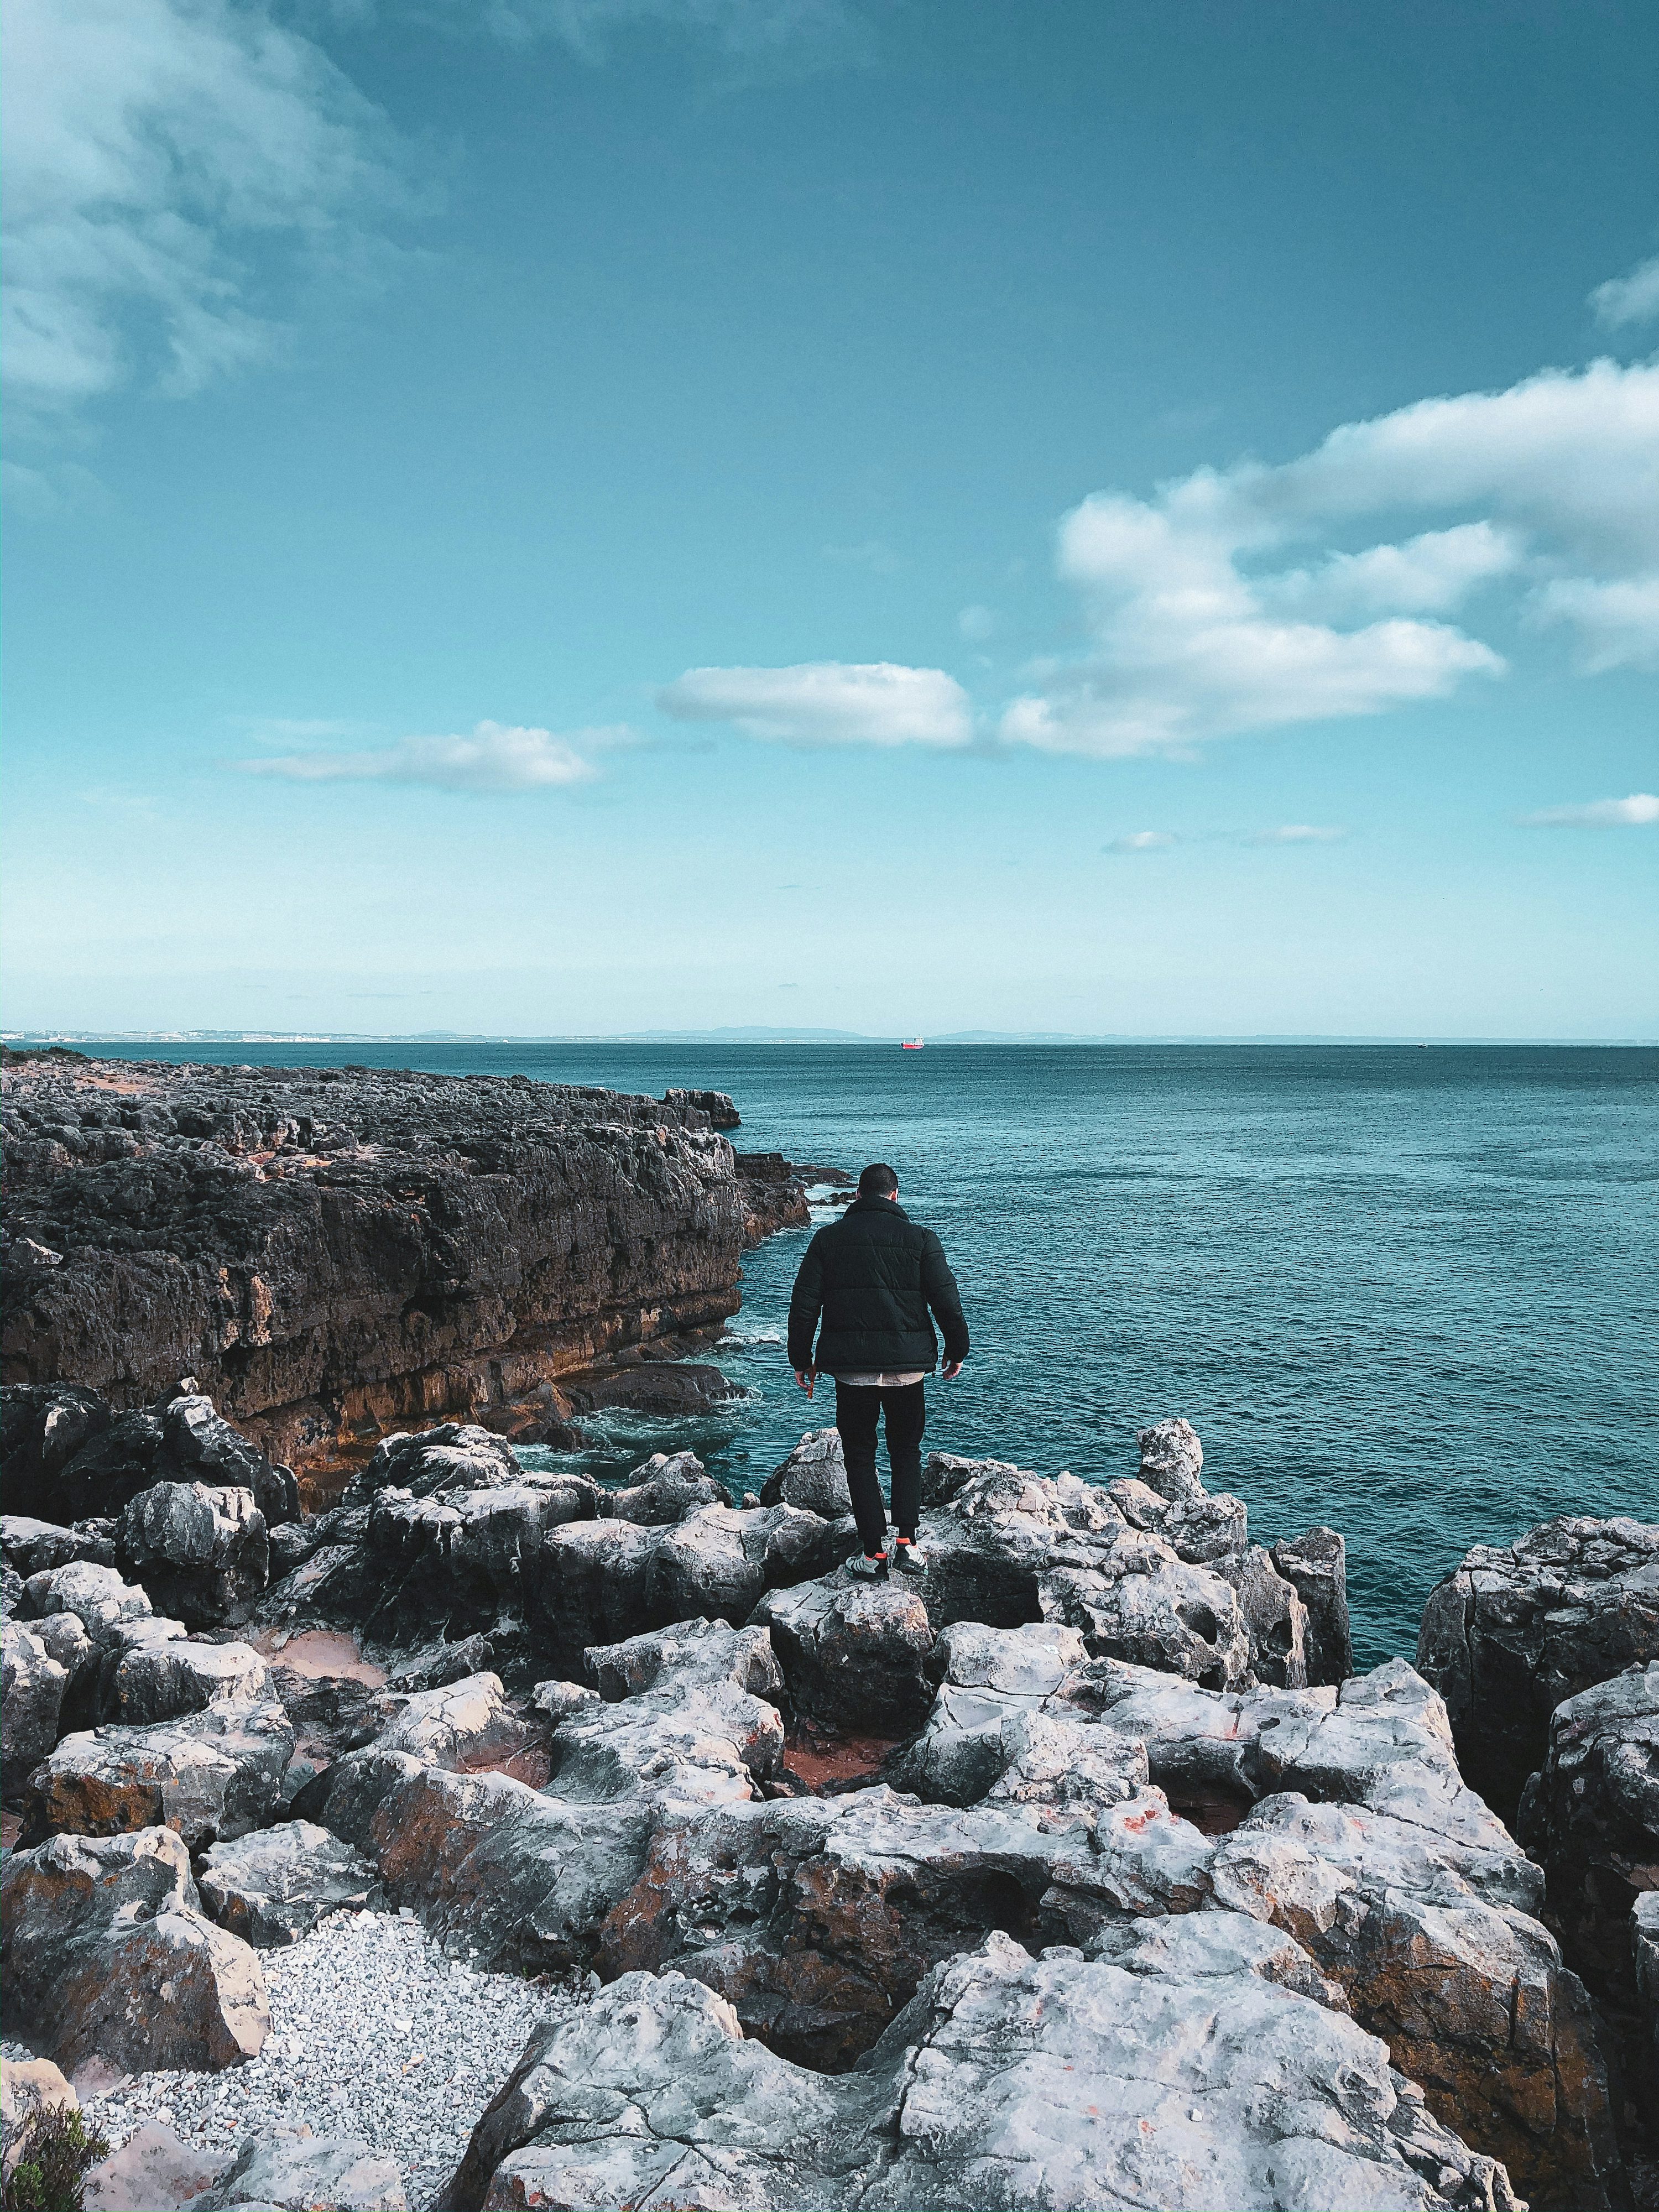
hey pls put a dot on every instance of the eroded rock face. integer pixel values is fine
(813, 1477)
(34, 1547)
(686, 1717)
(216, 1773)
(665, 1489)
(986, 1676)
(1316, 1567)
(328, 1245)
(1516, 1628)
(1005, 1548)
(151, 1670)
(819, 1917)
(1465, 1986)
(291, 2170)
(1188, 2075)
(97, 1929)
(201, 1553)
(855, 1655)
(1591, 1818)
(274, 1887)
(34, 1692)
(69, 1454)
(453, 1455)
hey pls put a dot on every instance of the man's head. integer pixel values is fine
(878, 1180)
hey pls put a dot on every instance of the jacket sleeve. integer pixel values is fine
(939, 1287)
(806, 1304)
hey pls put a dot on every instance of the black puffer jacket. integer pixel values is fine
(873, 1276)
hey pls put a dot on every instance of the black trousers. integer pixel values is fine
(857, 1412)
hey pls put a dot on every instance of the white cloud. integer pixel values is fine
(1632, 299)
(1299, 833)
(1428, 575)
(976, 623)
(494, 758)
(1640, 809)
(1617, 621)
(826, 703)
(1201, 626)
(1142, 840)
(153, 151)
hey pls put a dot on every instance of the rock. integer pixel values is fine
(1465, 1987)
(666, 1489)
(718, 1560)
(525, 1879)
(42, 1427)
(97, 1597)
(1007, 1547)
(291, 2170)
(436, 1665)
(460, 1558)
(454, 1455)
(28, 2087)
(774, 1194)
(853, 1655)
(1316, 1567)
(34, 1696)
(214, 1773)
(34, 1547)
(813, 1477)
(685, 1716)
(1204, 1531)
(671, 1391)
(1171, 1460)
(817, 1918)
(108, 1953)
(328, 1249)
(559, 1699)
(1276, 1621)
(201, 1553)
(274, 1887)
(1136, 1600)
(156, 1673)
(465, 1726)
(991, 1541)
(589, 1585)
(152, 2168)
(1645, 1945)
(1516, 1628)
(96, 1460)
(291, 1545)
(1189, 2076)
(715, 1104)
(986, 1674)
(1590, 1818)
(199, 1445)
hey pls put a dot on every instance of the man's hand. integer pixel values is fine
(806, 1376)
(951, 1369)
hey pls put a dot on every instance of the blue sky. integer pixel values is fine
(583, 514)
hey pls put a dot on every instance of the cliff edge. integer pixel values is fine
(332, 1251)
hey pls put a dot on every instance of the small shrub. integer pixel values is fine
(56, 2149)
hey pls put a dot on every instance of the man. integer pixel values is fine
(875, 1276)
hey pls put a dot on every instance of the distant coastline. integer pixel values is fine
(74, 1038)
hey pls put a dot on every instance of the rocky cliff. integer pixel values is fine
(330, 1252)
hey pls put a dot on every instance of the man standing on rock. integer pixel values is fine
(874, 1277)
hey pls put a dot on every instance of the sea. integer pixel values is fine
(1409, 1292)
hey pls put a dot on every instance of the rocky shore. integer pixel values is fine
(335, 1252)
(498, 1837)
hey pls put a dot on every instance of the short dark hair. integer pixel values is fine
(878, 1180)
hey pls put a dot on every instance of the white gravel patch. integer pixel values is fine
(373, 2033)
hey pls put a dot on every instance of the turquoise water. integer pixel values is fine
(1414, 1293)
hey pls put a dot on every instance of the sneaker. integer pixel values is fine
(907, 1560)
(867, 1569)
